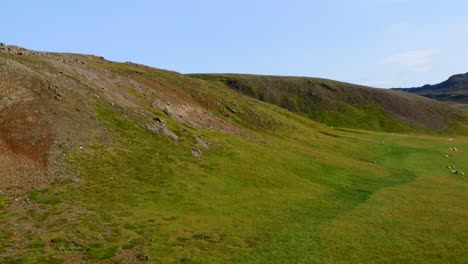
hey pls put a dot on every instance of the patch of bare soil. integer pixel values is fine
(25, 141)
(76, 258)
(23, 133)
(131, 256)
(179, 106)
(33, 136)
(114, 88)
(18, 173)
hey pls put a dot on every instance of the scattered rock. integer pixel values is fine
(202, 143)
(14, 49)
(166, 111)
(59, 96)
(160, 121)
(55, 91)
(196, 153)
(232, 110)
(155, 104)
(161, 129)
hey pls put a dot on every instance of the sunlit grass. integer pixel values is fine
(286, 190)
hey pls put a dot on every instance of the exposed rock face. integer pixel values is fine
(160, 128)
(16, 50)
(202, 143)
(196, 153)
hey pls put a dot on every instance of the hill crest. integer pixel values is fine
(344, 104)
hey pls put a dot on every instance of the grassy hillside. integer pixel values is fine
(455, 89)
(343, 104)
(120, 163)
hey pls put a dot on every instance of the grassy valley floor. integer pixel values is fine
(303, 194)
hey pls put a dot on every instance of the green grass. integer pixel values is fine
(368, 117)
(286, 190)
(45, 197)
(2, 202)
(345, 105)
(301, 198)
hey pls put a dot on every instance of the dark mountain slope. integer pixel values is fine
(455, 89)
(343, 104)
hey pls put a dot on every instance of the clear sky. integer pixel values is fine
(382, 43)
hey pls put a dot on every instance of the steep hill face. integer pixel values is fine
(343, 104)
(455, 89)
(87, 144)
(49, 103)
(104, 162)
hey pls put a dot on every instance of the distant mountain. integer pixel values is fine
(455, 89)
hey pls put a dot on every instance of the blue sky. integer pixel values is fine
(382, 43)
